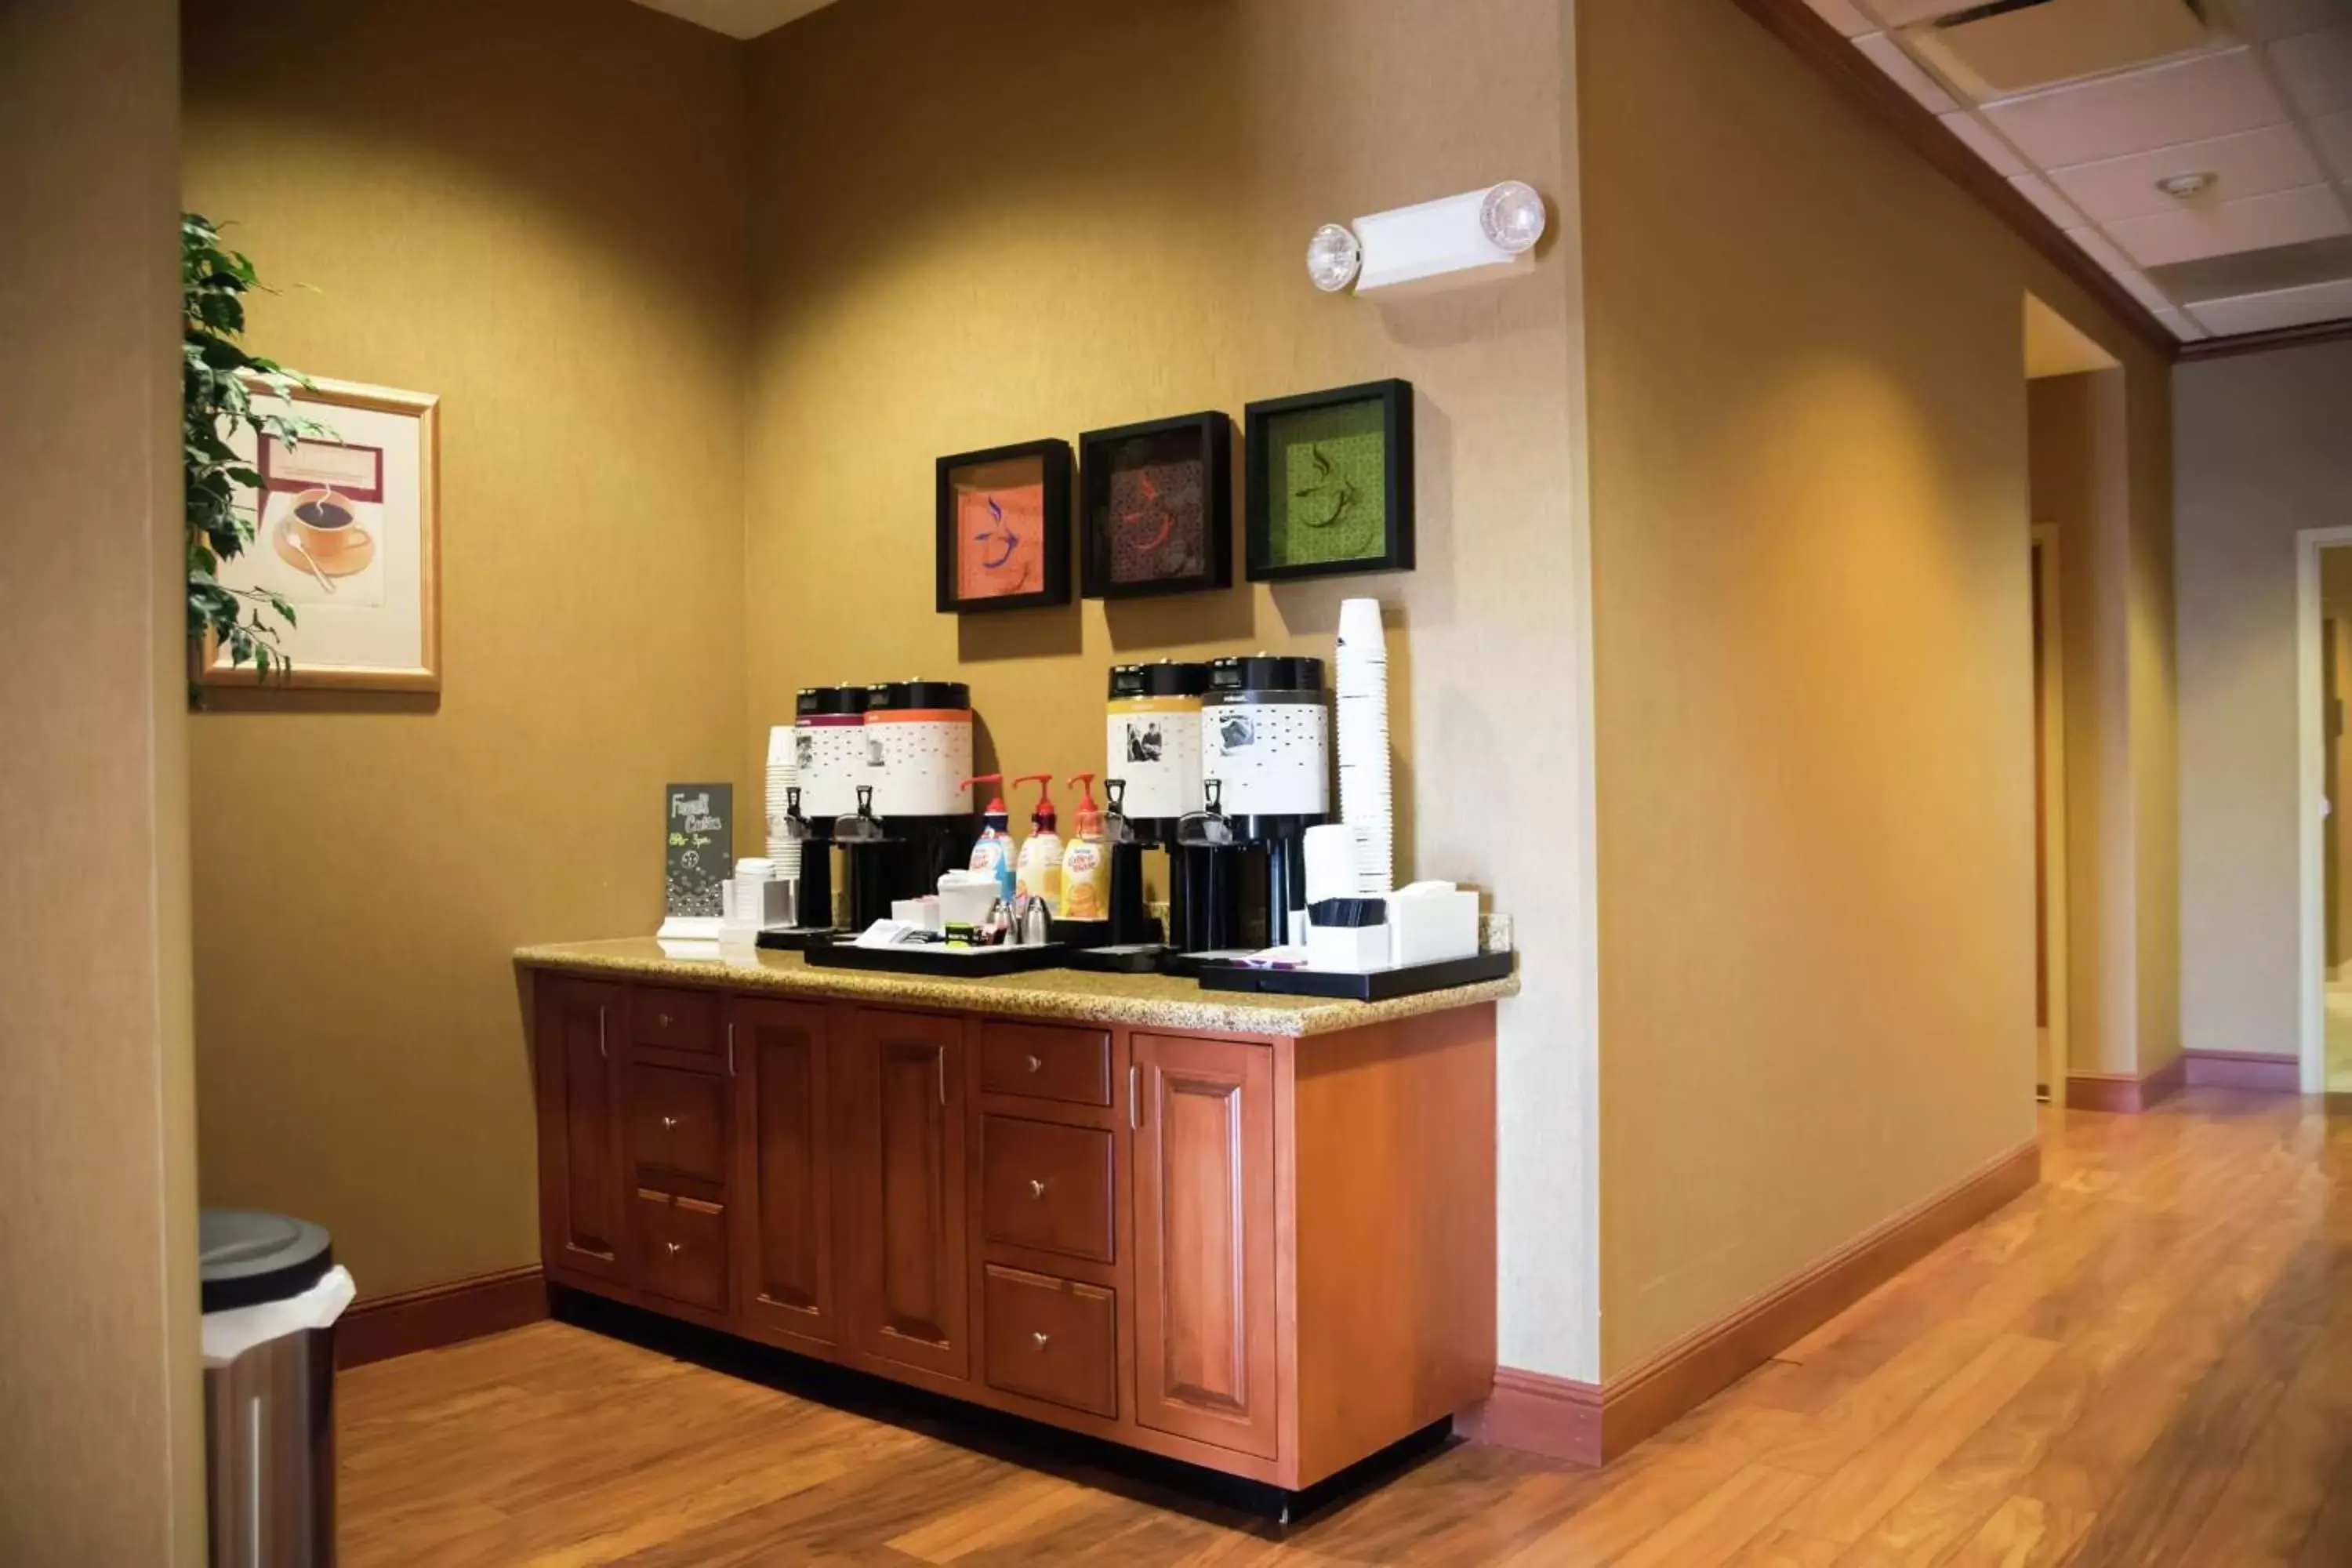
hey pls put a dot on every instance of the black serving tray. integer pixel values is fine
(781, 941)
(940, 960)
(1379, 985)
(1143, 958)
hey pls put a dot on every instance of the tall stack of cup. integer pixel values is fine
(782, 848)
(1367, 800)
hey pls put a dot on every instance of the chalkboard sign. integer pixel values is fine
(699, 819)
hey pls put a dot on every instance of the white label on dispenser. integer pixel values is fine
(1158, 753)
(920, 762)
(1270, 759)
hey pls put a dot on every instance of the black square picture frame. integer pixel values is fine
(1004, 513)
(1310, 462)
(1156, 507)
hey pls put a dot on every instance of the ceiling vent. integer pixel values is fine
(2007, 46)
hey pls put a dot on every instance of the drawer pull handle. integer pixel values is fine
(1041, 1338)
(1036, 1188)
(603, 1049)
(669, 1121)
(675, 1247)
(1036, 1065)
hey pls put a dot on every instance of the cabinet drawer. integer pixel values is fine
(1045, 1062)
(682, 1249)
(1046, 1186)
(1052, 1339)
(673, 1019)
(677, 1121)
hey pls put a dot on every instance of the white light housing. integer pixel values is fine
(1457, 239)
(1332, 257)
(2187, 186)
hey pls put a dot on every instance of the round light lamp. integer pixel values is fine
(1513, 216)
(1333, 258)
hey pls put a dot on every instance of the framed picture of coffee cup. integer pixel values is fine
(346, 532)
(1155, 508)
(1328, 487)
(1004, 528)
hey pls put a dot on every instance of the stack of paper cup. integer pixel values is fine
(1367, 803)
(782, 848)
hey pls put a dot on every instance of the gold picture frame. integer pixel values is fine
(350, 529)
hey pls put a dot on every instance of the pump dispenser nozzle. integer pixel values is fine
(1043, 816)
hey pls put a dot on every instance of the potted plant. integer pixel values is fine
(219, 383)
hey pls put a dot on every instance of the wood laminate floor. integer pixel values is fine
(2145, 1361)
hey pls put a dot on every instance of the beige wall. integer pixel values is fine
(2263, 448)
(534, 210)
(1810, 546)
(101, 1446)
(1063, 215)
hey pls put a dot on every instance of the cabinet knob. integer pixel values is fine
(1041, 1339)
(1036, 1065)
(664, 1020)
(675, 1247)
(1036, 1189)
(669, 1121)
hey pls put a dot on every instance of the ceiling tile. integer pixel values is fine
(2280, 18)
(2221, 228)
(2335, 135)
(2318, 69)
(1987, 145)
(1842, 14)
(2249, 164)
(2042, 194)
(2137, 284)
(2188, 100)
(1888, 55)
(2282, 308)
(2101, 249)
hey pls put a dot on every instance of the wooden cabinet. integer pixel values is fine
(1272, 1257)
(582, 1178)
(1204, 1217)
(784, 1154)
(909, 1275)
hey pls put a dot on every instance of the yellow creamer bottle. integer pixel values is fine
(1085, 864)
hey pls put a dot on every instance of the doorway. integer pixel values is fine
(2049, 816)
(2324, 685)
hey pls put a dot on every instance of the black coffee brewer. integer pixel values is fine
(1266, 761)
(872, 863)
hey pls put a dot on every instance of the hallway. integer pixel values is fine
(2147, 1360)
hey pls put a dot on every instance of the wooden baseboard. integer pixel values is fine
(440, 1315)
(2266, 1072)
(1582, 1424)
(2123, 1095)
(1559, 1417)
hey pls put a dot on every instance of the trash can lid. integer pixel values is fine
(247, 1258)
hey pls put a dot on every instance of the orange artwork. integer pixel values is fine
(1001, 530)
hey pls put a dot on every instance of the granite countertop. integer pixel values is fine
(1165, 1001)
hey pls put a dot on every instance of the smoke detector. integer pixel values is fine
(2183, 187)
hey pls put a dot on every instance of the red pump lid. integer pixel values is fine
(995, 807)
(1041, 819)
(1090, 814)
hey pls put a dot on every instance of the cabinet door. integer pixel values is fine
(783, 1183)
(1204, 1310)
(910, 1274)
(582, 1181)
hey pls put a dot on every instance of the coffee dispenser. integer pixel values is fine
(1205, 904)
(871, 857)
(1266, 740)
(918, 756)
(828, 763)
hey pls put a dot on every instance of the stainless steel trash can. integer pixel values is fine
(269, 1389)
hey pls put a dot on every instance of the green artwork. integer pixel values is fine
(1330, 498)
